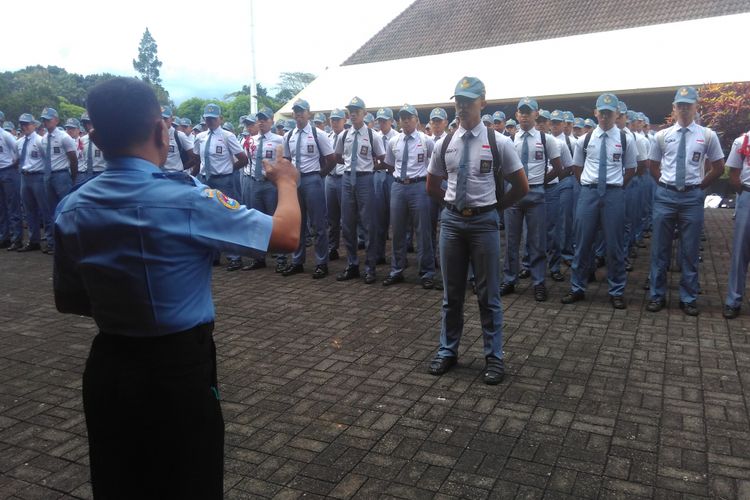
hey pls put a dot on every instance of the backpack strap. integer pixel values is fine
(444, 147)
(586, 141)
(372, 142)
(544, 149)
(624, 142)
(497, 167)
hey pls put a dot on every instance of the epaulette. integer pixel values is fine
(182, 177)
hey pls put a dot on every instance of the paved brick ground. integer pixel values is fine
(325, 392)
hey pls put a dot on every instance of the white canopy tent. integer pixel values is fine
(626, 61)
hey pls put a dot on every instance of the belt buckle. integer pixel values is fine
(467, 212)
(681, 189)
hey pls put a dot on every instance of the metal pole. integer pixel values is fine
(253, 85)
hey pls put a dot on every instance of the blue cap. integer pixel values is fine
(568, 116)
(438, 113)
(348, 123)
(338, 114)
(528, 102)
(186, 122)
(319, 118)
(8, 126)
(85, 117)
(631, 115)
(228, 126)
(279, 124)
(264, 113)
(469, 87)
(166, 112)
(37, 123)
(408, 109)
(49, 113)
(197, 127)
(486, 118)
(211, 111)
(498, 116)
(640, 116)
(26, 118)
(544, 114)
(301, 104)
(356, 103)
(557, 116)
(245, 133)
(247, 119)
(72, 123)
(588, 122)
(369, 118)
(578, 123)
(646, 120)
(622, 108)
(510, 123)
(607, 102)
(686, 94)
(384, 114)
(289, 124)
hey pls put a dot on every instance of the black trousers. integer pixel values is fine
(153, 416)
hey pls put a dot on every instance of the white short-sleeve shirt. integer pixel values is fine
(61, 144)
(224, 146)
(310, 154)
(365, 149)
(616, 161)
(270, 142)
(174, 162)
(737, 161)
(536, 160)
(98, 164)
(420, 151)
(33, 162)
(696, 151)
(8, 151)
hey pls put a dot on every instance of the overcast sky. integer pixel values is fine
(204, 46)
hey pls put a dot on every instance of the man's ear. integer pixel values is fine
(161, 135)
(94, 137)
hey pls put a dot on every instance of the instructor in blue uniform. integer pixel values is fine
(134, 252)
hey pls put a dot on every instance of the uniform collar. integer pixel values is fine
(692, 127)
(474, 132)
(533, 132)
(267, 135)
(414, 134)
(610, 133)
(307, 129)
(131, 163)
(361, 129)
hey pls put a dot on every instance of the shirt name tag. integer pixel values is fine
(420, 157)
(696, 157)
(363, 150)
(219, 150)
(538, 155)
(56, 150)
(269, 153)
(171, 148)
(97, 153)
(616, 157)
(310, 148)
(485, 166)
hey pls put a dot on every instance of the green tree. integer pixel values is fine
(291, 84)
(148, 63)
(725, 107)
(192, 108)
(68, 110)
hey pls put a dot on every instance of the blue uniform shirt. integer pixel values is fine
(134, 248)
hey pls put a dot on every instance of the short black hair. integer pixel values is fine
(123, 112)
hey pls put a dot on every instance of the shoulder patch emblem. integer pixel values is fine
(228, 202)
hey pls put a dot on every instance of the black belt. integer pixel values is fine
(59, 172)
(675, 188)
(348, 172)
(307, 174)
(745, 188)
(258, 180)
(216, 176)
(594, 186)
(26, 172)
(467, 212)
(336, 176)
(535, 185)
(410, 180)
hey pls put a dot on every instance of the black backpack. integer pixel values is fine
(184, 155)
(497, 167)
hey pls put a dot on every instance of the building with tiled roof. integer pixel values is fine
(564, 53)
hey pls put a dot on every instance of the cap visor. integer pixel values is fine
(469, 95)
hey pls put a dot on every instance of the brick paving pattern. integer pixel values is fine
(325, 392)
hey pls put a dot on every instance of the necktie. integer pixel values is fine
(601, 186)
(207, 156)
(23, 151)
(463, 172)
(525, 153)
(355, 156)
(570, 147)
(298, 152)
(259, 160)
(405, 157)
(89, 156)
(385, 142)
(48, 156)
(681, 155)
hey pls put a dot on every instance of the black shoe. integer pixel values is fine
(646, 234)
(234, 265)
(592, 277)
(656, 305)
(255, 264)
(427, 283)
(505, 288)
(393, 279)
(640, 244)
(628, 267)
(440, 365)
(49, 251)
(15, 246)
(292, 269)
(361, 245)
(30, 247)
(689, 308)
(349, 273)
(557, 276)
(380, 261)
(567, 262)
(370, 278)
(410, 249)
(618, 301)
(280, 267)
(321, 271)
(525, 273)
(502, 226)
(600, 262)
(632, 253)
(572, 297)
(473, 285)
(333, 254)
(731, 312)
(647, 284)
(217, 262)
(540, 292)
(4, 244)
(308, 242)
(494, 371)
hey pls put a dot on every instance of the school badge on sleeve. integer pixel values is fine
(228, 202)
